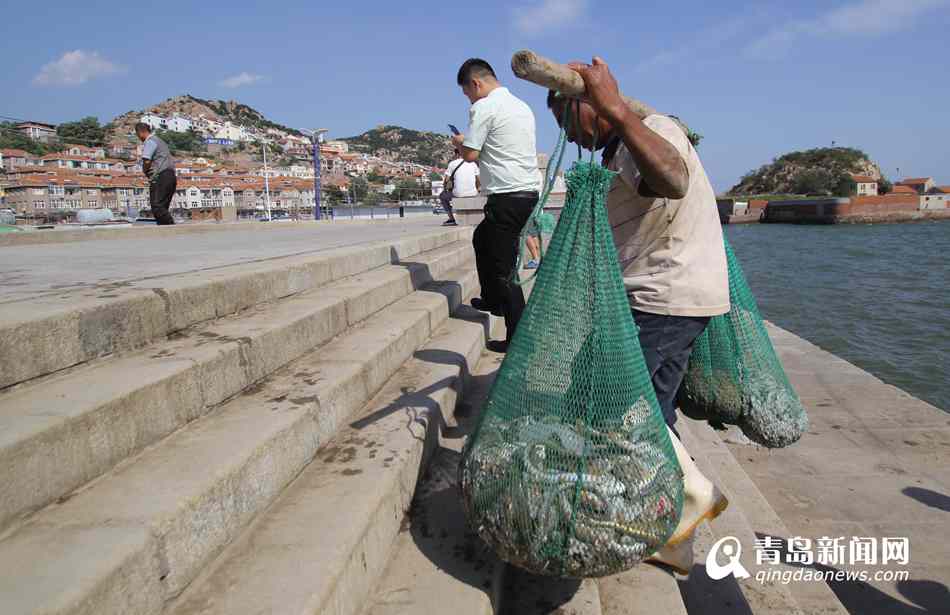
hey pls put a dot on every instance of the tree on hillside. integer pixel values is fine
(407, 190)
(190, 141)
(334, 195)
(884, 186)
(86, 131)
(360, 187)
(822, 182)
(372, 198)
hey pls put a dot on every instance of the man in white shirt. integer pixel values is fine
(501, 137)
(462, 178)
(662, 210)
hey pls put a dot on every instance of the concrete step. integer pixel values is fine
(59, 432)
(524, 593)
(436, 559)
(69, 326)
(730, 595)
(323, 544)
(812, 598)
(137, 537)
(644, 590)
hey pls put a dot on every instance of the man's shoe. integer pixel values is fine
(702, 500)
(532, 264)
(678, 557)
(450, 223)
(480, 304)
(497, 346)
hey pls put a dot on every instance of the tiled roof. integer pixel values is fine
(915, 180)
(863, 179)
(901, 189)
(16, 153)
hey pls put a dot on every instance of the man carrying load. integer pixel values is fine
(662, 211)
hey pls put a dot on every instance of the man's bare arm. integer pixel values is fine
(660, 164)
(146, 166)
(468, 154)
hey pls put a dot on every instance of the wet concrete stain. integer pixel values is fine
(256, 388)
(351, 472)
(336, 454)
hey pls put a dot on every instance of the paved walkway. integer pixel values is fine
(875, 463)
(27, 271)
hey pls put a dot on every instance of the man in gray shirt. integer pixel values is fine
(158, 166)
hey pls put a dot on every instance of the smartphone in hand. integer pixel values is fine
(455, 131)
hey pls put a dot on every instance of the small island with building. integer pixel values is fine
(830, 186)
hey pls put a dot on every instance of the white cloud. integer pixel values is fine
(76, 68)
(862, 18)
(243, 78)
(548, 15)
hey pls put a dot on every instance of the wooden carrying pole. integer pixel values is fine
(537, 69)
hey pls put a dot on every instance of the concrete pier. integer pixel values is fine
(875, 462)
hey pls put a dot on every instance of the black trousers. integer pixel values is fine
(667, 342)
(160, 194)
(496, 252)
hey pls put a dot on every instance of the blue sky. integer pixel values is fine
(756, 78)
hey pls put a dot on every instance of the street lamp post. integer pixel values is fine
(317, 137)
(266, 181)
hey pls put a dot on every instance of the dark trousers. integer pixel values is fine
(496, 252)
(160, 194)
(667, 342)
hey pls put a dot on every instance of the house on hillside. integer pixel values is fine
(155, 122)
(179, 123)
(10, 159)
(866, 185)
(86, 152)
(920, 185)
(38, 131)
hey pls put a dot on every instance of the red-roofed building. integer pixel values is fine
(10, 159)
(901, 189)
(920, 185)
(865, 185)
(48, 193)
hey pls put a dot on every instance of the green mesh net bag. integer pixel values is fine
(735, 377)
(570, 470)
